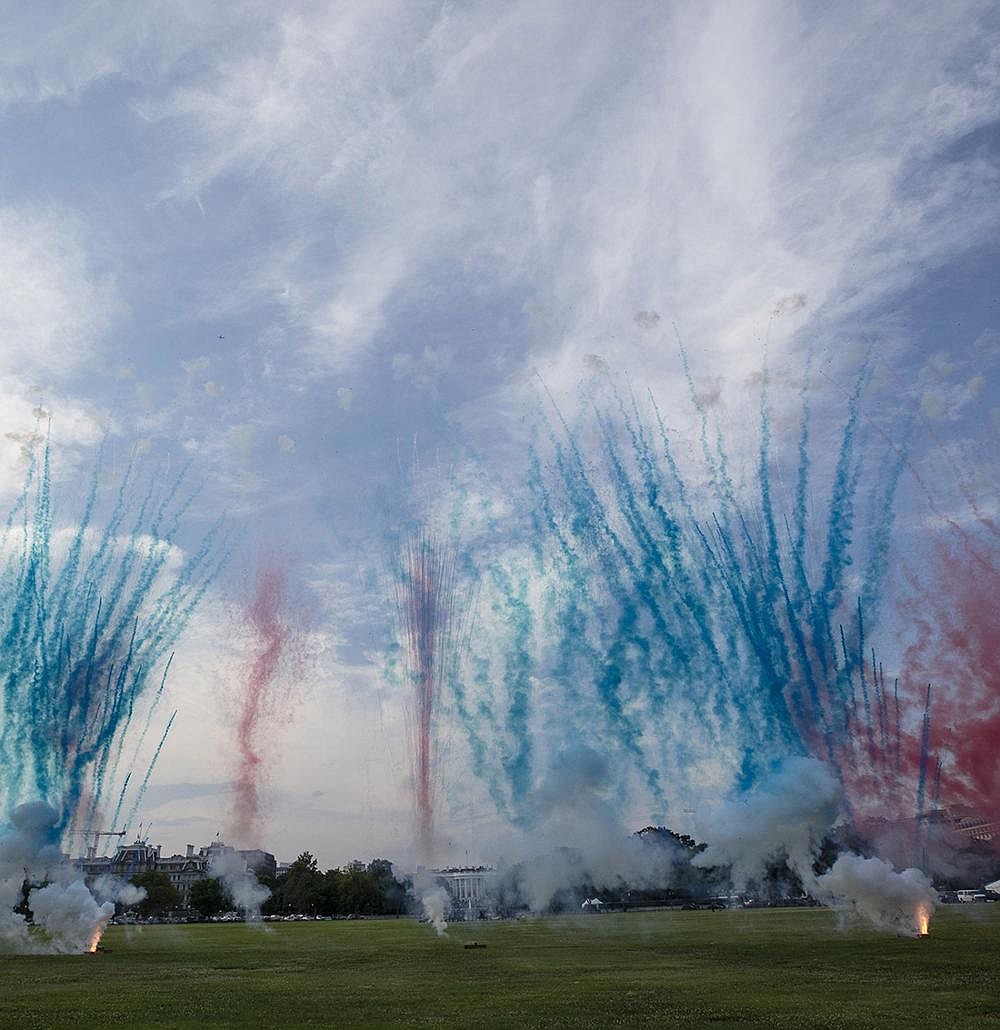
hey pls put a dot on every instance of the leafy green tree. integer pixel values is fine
(391, 892)
(207, 897)
(161, 894)
(357, 888)
(299, 890)
(333, 893)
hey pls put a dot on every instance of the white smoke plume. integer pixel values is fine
(240, 883)
(113, 888)
(871, 890)
(578, 842)
(433, 900)
(69, 917)
(576, 815)
(785, 815)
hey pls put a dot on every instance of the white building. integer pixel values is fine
(470, 889)
(183, 870)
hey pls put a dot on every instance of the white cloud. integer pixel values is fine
(54, 306)
(52, 52)
(423, 371)
(692, 163)
(28, 417)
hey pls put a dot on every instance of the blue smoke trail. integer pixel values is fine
(689, 635)
(86, 618)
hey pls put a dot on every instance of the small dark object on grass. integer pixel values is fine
(474, 944)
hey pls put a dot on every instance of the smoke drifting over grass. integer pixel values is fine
(870, 890)
(240, 883)
(579, 834)
(786, 817)
(68, 917)
(433, 900)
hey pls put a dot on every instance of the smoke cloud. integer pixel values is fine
(433, 900)
(786, 815)
(68, 918)
(576, 816)
(240, 883)
(871, 890)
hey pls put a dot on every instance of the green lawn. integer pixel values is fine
(724, 969)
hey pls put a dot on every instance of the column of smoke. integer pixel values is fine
(69, 917)
(433, 900)
(255, 697)
(577, 833)
(957, 647)
(240, 884)
(787, 816)
(425, 603)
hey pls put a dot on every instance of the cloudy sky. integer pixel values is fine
(333, 253)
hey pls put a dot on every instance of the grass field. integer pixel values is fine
(782, 968)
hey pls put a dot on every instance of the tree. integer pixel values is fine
(301, 889)
(357, 888)
(391, 892)
(207, 897)
(161, 894)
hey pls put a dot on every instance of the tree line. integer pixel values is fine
(357, 889)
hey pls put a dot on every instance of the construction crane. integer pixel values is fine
(96, 834)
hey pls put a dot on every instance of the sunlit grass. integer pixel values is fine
(770, 968)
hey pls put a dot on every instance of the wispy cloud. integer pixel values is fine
(697, 164)
(55, 306)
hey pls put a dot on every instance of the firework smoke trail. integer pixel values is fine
(721, 635)
(82, 636)
(426, 599)
(735, 576)
(957, 647)
(141, 793)
(265, 617)
(86, 619)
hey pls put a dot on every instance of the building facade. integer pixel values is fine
(470, 889)
(130, 860)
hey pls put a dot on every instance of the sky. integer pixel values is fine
(335, 258)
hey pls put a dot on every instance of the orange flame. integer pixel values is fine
(95, 940)
(923, 921)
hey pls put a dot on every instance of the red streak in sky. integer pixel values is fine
(958, 650)
(426, 601)
(264, 616)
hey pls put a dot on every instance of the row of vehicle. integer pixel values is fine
(967, 896)
(298, 917)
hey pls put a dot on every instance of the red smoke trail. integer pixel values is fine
(265, 617)
(881, 746)
(957, 648)
(425, 601)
